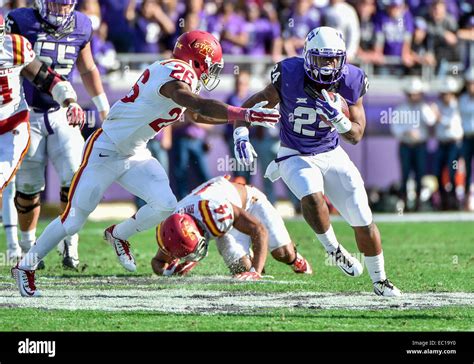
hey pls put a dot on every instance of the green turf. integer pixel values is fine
(420, 257)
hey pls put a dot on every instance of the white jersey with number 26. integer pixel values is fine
(139, 116)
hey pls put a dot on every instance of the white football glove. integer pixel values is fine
(331, 110)
(243, 150)
(258, 115)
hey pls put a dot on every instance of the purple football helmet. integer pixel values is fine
(57, 13)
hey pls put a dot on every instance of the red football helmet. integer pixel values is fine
(2, 30)
(204, 53)
(181, 237)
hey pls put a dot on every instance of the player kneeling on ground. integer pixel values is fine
(210, 211)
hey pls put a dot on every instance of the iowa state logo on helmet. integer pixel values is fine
(205, 48)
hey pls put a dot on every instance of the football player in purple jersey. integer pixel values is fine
(310, 160)
(61, 38)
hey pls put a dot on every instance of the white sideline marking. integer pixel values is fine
(209, 302)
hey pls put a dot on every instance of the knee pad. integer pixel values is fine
(23, 208)
(63, 194)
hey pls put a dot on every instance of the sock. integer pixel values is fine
(329, 240)
(145, 218)
(11, 231)
(376, 267)
(10, 216)
(27, 239)
(51, 237)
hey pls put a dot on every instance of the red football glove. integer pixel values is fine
(75, 115)
(258, 115)
(248, 276)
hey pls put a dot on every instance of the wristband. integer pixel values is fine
(101, 103)
(235, 113)
(342, 125)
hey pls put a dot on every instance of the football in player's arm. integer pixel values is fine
(163, 264)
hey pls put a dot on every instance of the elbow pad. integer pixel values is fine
(49, 81)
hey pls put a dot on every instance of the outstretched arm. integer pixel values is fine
(214, 111)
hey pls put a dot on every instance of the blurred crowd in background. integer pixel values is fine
(394, 37)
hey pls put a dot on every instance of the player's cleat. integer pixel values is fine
(70, 254)
(25, 280)
(386, 288)
(347, 263)
(301, 265)
(13, 255)
(122, 249)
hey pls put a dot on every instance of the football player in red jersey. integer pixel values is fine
(240, 219)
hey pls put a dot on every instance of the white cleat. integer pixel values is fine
(25, 280)
(386, 288)
(349, 265)
(122, 249)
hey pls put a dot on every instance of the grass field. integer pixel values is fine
(433, 263)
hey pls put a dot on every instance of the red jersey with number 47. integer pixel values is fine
(15, 54)
(140, 115)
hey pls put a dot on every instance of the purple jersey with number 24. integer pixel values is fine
(300, 127)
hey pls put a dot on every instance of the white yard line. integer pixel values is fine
(208, 302)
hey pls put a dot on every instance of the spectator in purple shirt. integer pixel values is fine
(151, 23)
(264, 34)
(229, 27)
(303, 19)
(116, 14)
(394, 29)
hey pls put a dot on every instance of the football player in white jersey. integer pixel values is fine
(17, 60)
(236, 216)
(117, 152)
